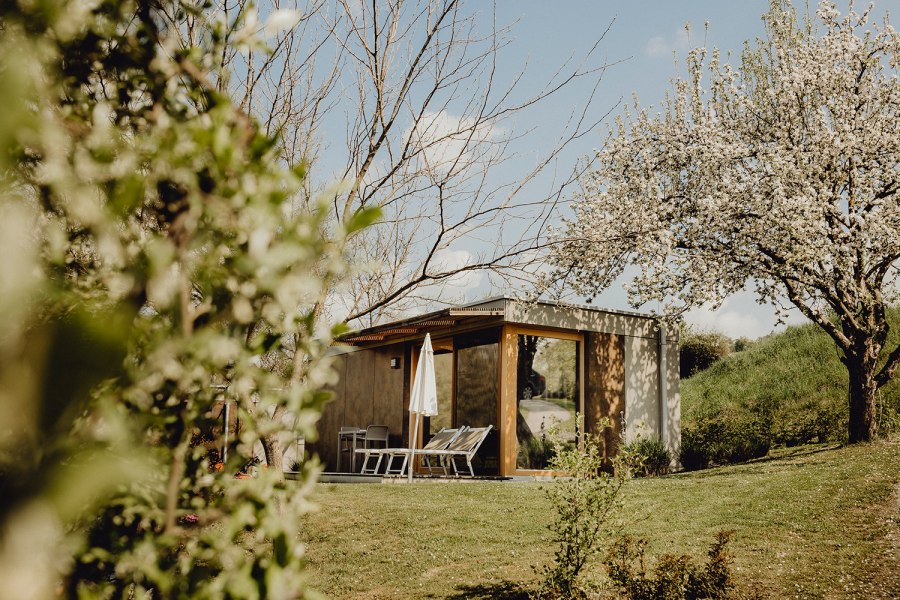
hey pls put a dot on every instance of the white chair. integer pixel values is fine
(465, 445)
(441, 440)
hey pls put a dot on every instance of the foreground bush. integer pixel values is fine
(584, 503)
(149, 262)
(675, 577)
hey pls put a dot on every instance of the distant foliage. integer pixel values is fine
(649, 456)
(675, 577)
(723, 438)
(743, 343)
(788, 387)
(700, 349)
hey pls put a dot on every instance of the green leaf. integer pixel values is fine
(361, 219)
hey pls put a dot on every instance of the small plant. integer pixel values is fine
(584, 502)
(675, 577)
(536, 453)
(649, 456)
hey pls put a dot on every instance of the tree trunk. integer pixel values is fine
(862, 389)
(274, 453)
(272, 447)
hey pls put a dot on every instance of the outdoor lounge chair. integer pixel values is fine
(465, 445)
(440, 441)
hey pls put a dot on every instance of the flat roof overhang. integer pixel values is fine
(494, 312)
(448, 320)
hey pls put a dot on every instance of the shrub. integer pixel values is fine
(694, 453)
(675, 577)
(583, 502)
(816, 422)
(722, 438)
(700, 349)
(649, 455)
(743, 343)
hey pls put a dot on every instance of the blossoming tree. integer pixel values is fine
(782, 174)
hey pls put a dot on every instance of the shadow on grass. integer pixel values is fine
(780, 455)
(502, 590)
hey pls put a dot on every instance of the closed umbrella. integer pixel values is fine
(423, 398)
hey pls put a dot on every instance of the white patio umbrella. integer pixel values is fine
(423, 398)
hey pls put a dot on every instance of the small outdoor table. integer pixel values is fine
(351, 436)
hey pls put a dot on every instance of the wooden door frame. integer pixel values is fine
(507, 376)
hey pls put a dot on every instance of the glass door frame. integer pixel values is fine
(507, 409)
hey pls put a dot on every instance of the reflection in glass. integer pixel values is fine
(443, 375)
(477, 396)
(546, 399)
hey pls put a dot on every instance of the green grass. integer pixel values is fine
(793, 376)
(814, 522)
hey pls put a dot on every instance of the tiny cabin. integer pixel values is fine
(525, 368)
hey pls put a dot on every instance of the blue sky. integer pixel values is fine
(641, 40)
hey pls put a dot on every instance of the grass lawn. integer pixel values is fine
(814, 522)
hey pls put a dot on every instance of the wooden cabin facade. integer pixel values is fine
(524, 368)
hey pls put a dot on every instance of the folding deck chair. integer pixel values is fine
(465, 445)
(441, 440)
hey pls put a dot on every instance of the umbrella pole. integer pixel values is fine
(412, 448)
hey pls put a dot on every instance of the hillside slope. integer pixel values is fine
(793, 381)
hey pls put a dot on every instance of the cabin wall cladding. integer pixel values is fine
(368, 392)
(605, 389)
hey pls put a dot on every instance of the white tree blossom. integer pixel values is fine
(782, 174)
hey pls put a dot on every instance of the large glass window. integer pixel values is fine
(477, 393)
(547, 392)
(443, 375)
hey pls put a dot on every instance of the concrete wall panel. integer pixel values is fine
(641, 388)
(674, 397)
(579, 319)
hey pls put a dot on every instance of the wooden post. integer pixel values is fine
(506, 418)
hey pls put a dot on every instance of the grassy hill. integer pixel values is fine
(791, 383)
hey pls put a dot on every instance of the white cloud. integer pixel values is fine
(741, 316)
(664, 46)
(450, 143)
(731, 323)
(281, 20)
(451, 260)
